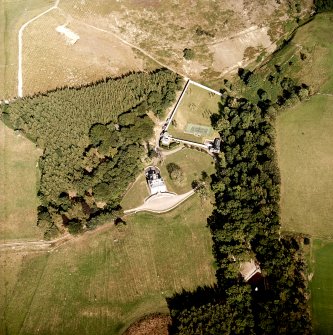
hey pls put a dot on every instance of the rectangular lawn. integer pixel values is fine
(195, 108)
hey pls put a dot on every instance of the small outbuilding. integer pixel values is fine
(216, 146)
(249, 269)
(154, 180)
(166, 138)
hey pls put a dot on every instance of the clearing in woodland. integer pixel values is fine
(18, 186)
(191, 163)
(103, 281)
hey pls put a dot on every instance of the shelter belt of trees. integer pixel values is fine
(245, 225)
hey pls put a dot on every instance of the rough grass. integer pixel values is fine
(196, 107)
(322, 288)
(18, 186)
(103, 281)
(165, 28)
(51, 62)
(12, 15)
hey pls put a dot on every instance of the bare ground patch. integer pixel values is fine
(230, 52)
(156, 324)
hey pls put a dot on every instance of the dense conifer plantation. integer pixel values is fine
(91, 138)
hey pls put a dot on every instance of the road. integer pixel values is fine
(36, 245)
(161, 202)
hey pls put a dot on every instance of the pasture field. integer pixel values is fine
(18, 186)
(12, 15)
(195, 108)
(103, 281)
(305, 154)
(322, 287)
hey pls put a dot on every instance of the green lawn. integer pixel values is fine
(101, 282)
(18, 186)
(322, 288)
(196, 107)
(192, 162)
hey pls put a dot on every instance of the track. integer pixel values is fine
(20, 48)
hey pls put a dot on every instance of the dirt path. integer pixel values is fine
(20, 48)
(161, 203)
(165, 153)
(36, 245)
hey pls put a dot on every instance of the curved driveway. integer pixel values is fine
(161, 202)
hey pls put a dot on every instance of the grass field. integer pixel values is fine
(101, 282)
(18, 186)
(322, 288)
(305, 138)
(305, 153)
(196, 108)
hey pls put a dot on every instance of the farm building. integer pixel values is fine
(155, 181)
(249, 269)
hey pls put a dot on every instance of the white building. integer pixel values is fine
(155, 181)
